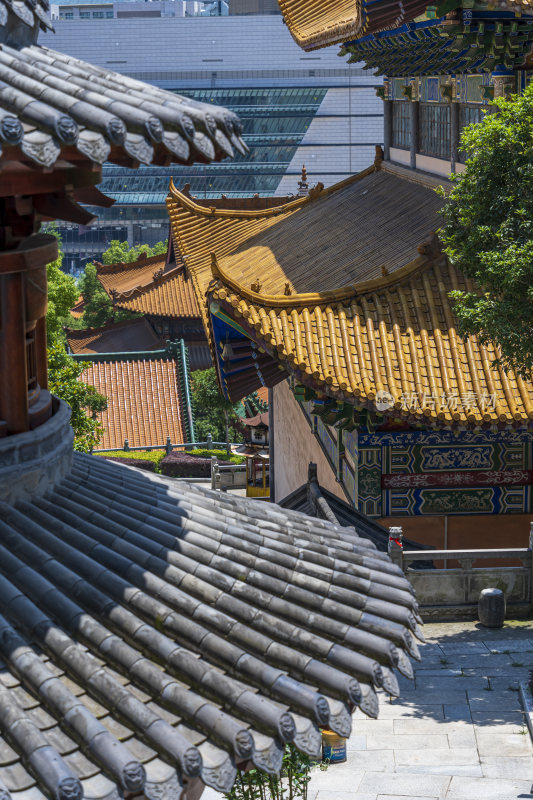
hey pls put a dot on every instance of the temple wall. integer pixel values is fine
(466, 531)
(453, 490)
(295, 446)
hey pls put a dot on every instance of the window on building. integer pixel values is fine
(85, 14)
(98, 14)
(67, 15)
(401, 124)
(434, 130)
(109, 15)
(468, 115)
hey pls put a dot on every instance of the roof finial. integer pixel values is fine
(303, 186)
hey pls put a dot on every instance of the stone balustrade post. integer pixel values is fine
(395, 547)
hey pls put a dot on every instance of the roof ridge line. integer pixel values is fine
(141, 288)
(317, 192)
(122, 266)
(423, 261)
(103, 328)
(427, 179)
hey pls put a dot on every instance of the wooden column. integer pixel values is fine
(387, 129)
(415, 106)
(40, 353)
(23, 367)
(454, 135)
(13, 371)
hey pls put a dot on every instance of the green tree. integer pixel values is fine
(121, 251)
(63, 371)
(64, 381)
(62, 293)
(213, 414)
(99, 309)
(488, 230)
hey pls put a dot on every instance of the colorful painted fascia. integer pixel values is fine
(386, 344)
(475, 43)
(321, 23)
(432, 472)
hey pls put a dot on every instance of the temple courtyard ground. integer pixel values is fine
(457, 732)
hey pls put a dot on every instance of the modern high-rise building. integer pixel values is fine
(254, 7)
(297, 108)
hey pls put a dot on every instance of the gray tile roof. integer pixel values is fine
(54, 105)
(313, 499)
(153, 632)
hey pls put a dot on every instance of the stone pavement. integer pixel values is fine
(456, 733)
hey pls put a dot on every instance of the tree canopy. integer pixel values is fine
(488, 230)
(213, 414)
(63, 371)
(63, 381)
(62, 293)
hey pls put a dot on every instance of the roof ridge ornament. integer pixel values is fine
(303, 185)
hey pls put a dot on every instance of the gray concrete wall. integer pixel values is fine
(295, 446)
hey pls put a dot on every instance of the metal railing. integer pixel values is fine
(209, 444)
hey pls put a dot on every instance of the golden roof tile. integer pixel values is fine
(389, 336)
(372, 221)
(394, 343)
(144, 404)
(319, 23)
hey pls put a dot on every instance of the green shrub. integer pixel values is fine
(154, 456)
(220, 454)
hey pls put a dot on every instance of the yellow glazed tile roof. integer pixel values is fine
(318, 23)
(388, 345)
(359, 229)
(389, 336)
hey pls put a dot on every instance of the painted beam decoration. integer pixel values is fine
(475, 43)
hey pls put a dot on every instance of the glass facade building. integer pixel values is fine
(323, 114)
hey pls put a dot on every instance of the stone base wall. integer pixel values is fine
(295, 446)
(31, 463)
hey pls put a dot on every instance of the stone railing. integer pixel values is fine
(227, 476)
(450, 585)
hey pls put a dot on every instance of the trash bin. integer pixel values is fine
(491, 608)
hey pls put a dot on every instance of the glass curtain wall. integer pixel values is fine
(275, 120)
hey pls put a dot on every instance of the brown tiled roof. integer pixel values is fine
(123, 277)
(79, 308)
(119, 337)
(144, 404)
(150, 286)
(259, 419)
